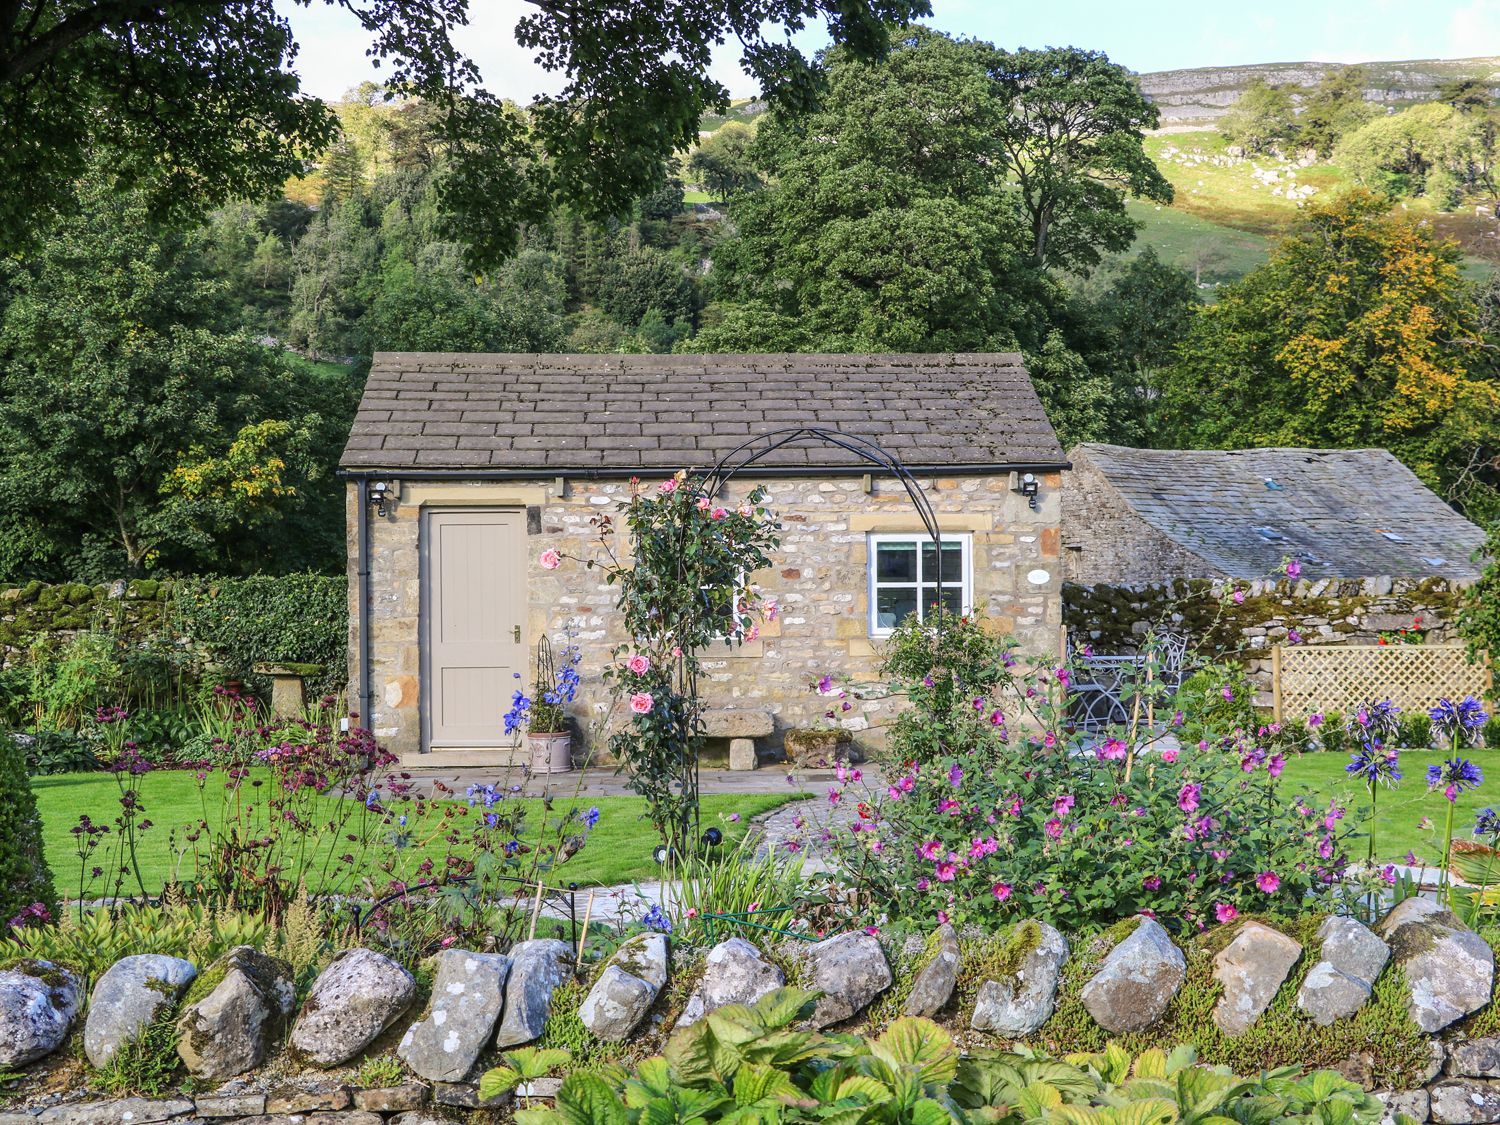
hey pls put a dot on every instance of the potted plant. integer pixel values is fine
(544, 714)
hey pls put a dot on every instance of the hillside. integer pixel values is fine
(1199, 96)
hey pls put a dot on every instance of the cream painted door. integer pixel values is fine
(474, 605)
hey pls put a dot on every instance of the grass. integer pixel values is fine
(1399, 810)
(618, 849)
(694, 196)
(1208, 250)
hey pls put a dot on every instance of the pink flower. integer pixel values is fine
(744, 510)
(1049, 740)
(734, 818)
(753, 632)
(1239, 597)
(1276, 765)
(1063, 804)
(1054, 828)
(1293, 568)
(771, 610)
(1225, 913)
(718, 514)
(703, 503)
(638, 664)
(1112, 750)
(1187, 797)
(1001, 891)
(1152, 882)
(668, 486)
(692, 912)
(1268, 881)
(930, 850)
(641, 702)
(1169, 756)
(945, 872)
(1227, 694)
(1315, 719)
(550, 559)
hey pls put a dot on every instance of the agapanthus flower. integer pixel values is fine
(1373, 763)
(1486, 823)
(1454, 776)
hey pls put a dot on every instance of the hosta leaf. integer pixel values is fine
(929, 1112)
(784, 1006)
(498, 1080)
(918, 1043)
(754, 1083)
(584, 1099)
(863, 1088)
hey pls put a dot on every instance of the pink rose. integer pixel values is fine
(718, 513)
(550, 559)
(703, 503)
(667, 486)
(745, 510)
(638, 664)
(641, 702)
(1169, 756)
(753, 632)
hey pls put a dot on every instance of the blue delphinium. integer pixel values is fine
(654, 919)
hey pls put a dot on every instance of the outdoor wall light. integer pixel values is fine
(380, 497)
(1026, 484)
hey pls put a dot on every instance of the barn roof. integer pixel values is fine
(592, 414)
(1346, 513)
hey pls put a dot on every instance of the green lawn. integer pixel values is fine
(1400, 809)
(618, 849)
(1208, 250)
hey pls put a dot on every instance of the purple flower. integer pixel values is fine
(955, 775)
(1454, 776)
(1293, 568)
(1374, 764)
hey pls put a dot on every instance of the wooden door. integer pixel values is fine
(474, 624)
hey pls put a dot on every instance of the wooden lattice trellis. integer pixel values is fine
(1309, 678)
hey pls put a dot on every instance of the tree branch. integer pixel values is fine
(81, 24)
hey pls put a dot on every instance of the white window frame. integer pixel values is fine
(965, 544)
(738, 615)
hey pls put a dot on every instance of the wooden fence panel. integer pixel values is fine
(1324, 678)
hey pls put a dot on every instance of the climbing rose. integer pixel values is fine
(550, 559)
(641, 702)
(718, 513)
(667, 486)
(638, 664)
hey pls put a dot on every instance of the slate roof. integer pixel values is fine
(1345, 513)
(555, 414)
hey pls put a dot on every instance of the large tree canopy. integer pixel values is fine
(197, 102)
(1360, 331)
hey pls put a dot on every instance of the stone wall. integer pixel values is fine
(819, 582)
(1402, 1008)
(1327, 611)
(37, 610)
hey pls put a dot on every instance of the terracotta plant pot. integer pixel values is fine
(551, 753)
(819, 749)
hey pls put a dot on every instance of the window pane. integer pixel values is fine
(892, 606)
(953, 562)
(895, 562)
(953, 598)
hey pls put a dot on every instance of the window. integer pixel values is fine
(904, 578)
(731, 614)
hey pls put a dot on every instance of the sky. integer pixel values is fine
(1144, 35)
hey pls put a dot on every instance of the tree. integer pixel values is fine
(722, 163)
(1073, 141)
(136, 428)
(637, 281)
(886, 223)
(1424, 150)
(1359, 331)
(198, 103)
(1263, 117)
(1335, 107)
(1467, 95)
(1077, 399)
(343, 171)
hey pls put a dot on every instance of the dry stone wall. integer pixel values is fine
(258, 1057)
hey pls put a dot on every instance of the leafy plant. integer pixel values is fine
(146, 1063)
(523, 1065)
(378, 1071)
(26, 893)
(709, 882)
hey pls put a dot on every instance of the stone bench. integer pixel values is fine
(742, 728)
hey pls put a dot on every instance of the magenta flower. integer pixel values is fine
(1225, 913)
(1293, 568)
(930, 850)
(945, 872)
(1187, 796)
(1063, 804)
(955, 775)
(1152, 882)
(1001, 891)
(1054, 828)
(1268, 881)
(1239, 597)
(1169, 756)
(1112, 750)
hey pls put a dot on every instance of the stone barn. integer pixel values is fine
(463, 469)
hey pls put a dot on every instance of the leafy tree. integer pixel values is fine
(1262, 118)
(722, 163)
(1359, 331)
(1130, 331)
(886, 223)
(1077, 399)
(1424, 150)
(1335, 107)
(434, 304)
(334, 267)
(1479, 612)
(1468, 95)
(343, 171)
(1073, 141)
(198, 101)
(637, 281)
(136, 429)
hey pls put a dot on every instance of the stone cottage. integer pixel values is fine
(1152, 538)
(463, 469)
(1137, 516)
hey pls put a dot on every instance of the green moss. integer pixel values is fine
(566, 1031)
(905, 968)
(993, 956)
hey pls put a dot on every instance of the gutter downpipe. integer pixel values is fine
(362, 611)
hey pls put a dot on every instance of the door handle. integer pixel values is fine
(517, 633)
